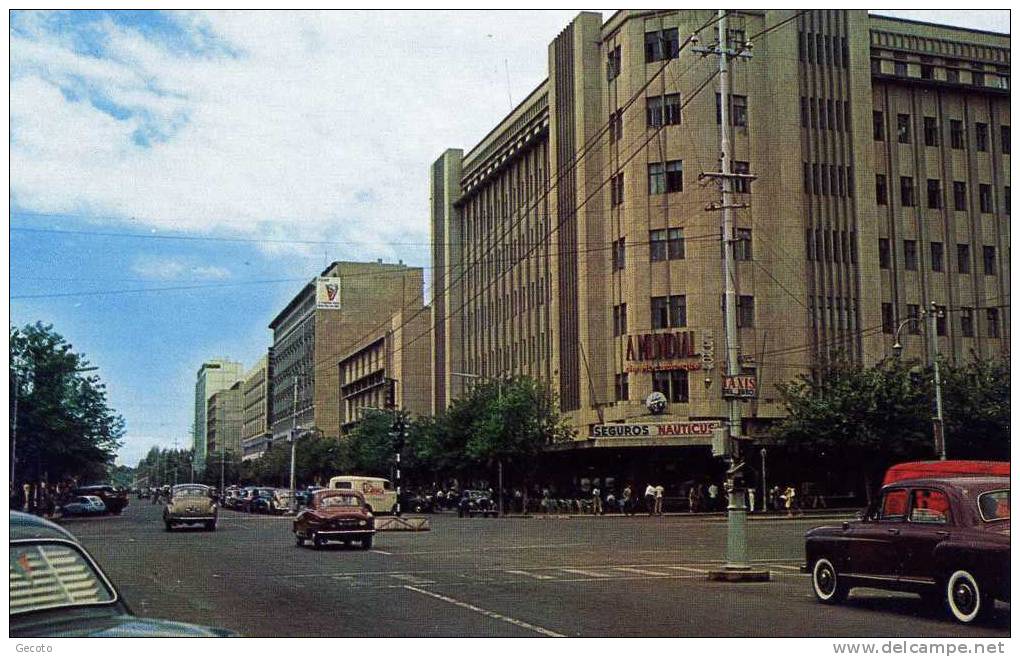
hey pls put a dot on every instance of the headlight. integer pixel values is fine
(363, 523)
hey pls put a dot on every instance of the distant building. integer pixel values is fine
(255, 436)
(214, 375)
(310, 335)
(223, 424)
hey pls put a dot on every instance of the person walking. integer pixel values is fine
(788, 500)
(659, 492)
(750, 499)
(650, 499)
(626, 503)
(713, 497)
(596, 501)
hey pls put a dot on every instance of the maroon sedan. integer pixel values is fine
(335, 515)
(945, 538)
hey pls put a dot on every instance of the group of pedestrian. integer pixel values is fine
(41, 498)
(705, 499)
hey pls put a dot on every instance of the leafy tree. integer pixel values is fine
(65, 429)
(372, 445)
(975, 405)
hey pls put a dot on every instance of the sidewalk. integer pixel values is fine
(718, 516)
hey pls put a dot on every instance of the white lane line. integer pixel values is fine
(586, 573)
(526, 573)
(412, 579)
(639, 571)
(689, 569)
(389, 554)
(486, 612)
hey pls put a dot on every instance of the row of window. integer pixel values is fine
(674, 384)
(671, 312)
(957, 132)
(508, 357)
(669, 244)
(998, 79)
(828, 179)
(890, 323)
(668, 178)
(825, 49)
(825, 113)
(910, 258)
(831, 245)
(908, 197)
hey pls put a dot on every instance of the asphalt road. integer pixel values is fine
(477, 577)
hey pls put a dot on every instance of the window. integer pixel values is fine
(622, 387)
(823, 114)
(619, 254)
(981, 136)
(881, 189)
(745, 311)
(956, 133)
(963, 258)
(931, 131)
(910, 255)
(977, 79)
(663, 110)
(656, 178)
(665, 179)
(666, 244)
(940, 320)
(929, 507)
(673, 384)
(992, 319)
(1004, 145)
(657, 245)
(927, 71)
(803, 112)
(616, 188)
(903, 128)
(741, 185)
(669, 312)
(952, 71)
(960, 195)
(738, 110)
(878, 126)
(616, 126)
(675, 243)
(653, 111)
(936, 256)
(914, 314)
(887, 318)
(613, 64)
(883, 253)
(901, 68)
(742, 247)
(967, 322)
(662, 45)
(985, 198)
(620, 319)
(894, 505)
(906, 191)
(934, 194)
(989, 259)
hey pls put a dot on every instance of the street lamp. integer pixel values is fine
(933, 354)
(499, 397)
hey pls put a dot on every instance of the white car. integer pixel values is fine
(85, 505)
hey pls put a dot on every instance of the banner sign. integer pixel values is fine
(653, 352)
(327, 293)
(645, 430)
(743, 386)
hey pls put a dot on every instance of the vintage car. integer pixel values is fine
(335, 515)
(275, 501)
(945, 538)
(190, 504)
(114, 499)
(84, 505)
(57, 590)
(476, 503)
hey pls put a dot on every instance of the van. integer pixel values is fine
(379, 493)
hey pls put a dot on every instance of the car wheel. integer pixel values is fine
(827, 584)
(169, 525)
(366, 543)
(965, 598)
(210, 526)
(299, 539)
(318, 541)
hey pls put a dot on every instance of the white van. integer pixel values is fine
(379, 493)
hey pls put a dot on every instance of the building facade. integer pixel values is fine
(310, 337)
(214, 375)
(575, 242)
(255, 435)
(224, 417)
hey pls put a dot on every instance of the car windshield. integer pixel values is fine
(47, 575)
(334, 501)
(191, 491)
(994, 505)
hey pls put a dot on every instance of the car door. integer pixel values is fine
(873, 548)
(928, 524)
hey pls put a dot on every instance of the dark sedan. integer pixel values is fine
(946, 539)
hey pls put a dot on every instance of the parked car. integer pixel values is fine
(335, 515)
(246, 497)
(416, 503)
(945, 538)
(476, 503)
(190, 504)
(84, 505)
(275, 501)
(305, 496)
(114, 498)
(143, 494)
(58, 590)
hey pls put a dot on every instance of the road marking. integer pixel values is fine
(486, 612)
(526, 573)
(587, 573)
(689, 569)
(779, 565)
(496, 549)
(412, 579)
(641, 572)
(389, 554)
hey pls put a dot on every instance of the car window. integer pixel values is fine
(46, 575)
(387, 485)
(894, 505)
(929, 507)
(339, 500)
(191, 491)
(994, 505)
(343, 485)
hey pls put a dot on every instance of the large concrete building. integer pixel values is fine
(214, 375)
(224, 417)
(311, 335)
(255, 434)
(574, 243)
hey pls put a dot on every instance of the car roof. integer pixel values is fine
(27, 526)
(981, 481)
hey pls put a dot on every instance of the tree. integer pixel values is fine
(371, 444)
(976, 409)
(65, 429)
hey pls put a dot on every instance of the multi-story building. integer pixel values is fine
(214, 375)
(575, 242)
(310, 336)
(224, 413)
(255, 434)
(388, 369)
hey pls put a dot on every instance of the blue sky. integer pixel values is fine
(238, 152)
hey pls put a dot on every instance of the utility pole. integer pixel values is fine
(933, 349)
(295, 429)
(737, 566)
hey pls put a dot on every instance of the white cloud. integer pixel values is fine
(168, 269)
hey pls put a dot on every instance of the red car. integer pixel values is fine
(335, 515)
(945, 538)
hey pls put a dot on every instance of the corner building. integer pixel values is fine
(573, 243)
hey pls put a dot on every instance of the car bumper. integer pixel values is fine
(190, 518)
(345, 532)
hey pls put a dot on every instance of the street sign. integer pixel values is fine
(740, 386)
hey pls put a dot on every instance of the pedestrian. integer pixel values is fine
(692, 494)
(659, 492)
(788, 500)
(750, 498)
(713, 497)
(626, 503)
(611, 501)
(596, 501)
(650, 499)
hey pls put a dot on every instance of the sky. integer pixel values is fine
(176, 177)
